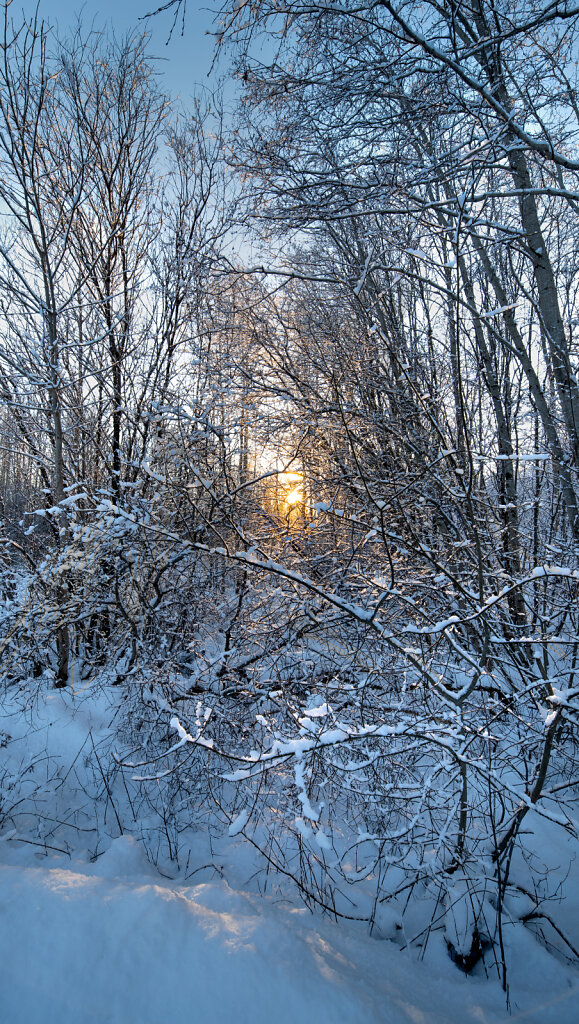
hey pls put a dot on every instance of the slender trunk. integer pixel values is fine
(508, 508)
(547, 300)
(62, 630)
(548, 421)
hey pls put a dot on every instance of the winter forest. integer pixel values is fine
(289, 517)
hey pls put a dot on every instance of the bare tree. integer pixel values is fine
(409, 194)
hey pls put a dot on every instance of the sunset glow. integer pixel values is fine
(294, 497)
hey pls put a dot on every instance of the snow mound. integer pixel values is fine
(78, 947)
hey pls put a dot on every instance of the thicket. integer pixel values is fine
(290, 438)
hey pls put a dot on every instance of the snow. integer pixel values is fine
(238, 824)
(309, 811)
(100, 934)
(496, 312)
(116, 948)
(111, 944)
(515, 457)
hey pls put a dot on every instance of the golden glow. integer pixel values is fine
(294, 497)
(287, 495)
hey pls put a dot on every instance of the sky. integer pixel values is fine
(185, 59)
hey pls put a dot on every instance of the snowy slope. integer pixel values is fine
(113, 943)
(99, 936)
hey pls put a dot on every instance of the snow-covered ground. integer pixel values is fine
(114, 943)
(98, 934)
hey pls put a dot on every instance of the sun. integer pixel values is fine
(294, 497)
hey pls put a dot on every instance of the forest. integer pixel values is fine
(289, 471)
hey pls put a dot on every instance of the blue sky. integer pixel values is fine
(185, 60)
